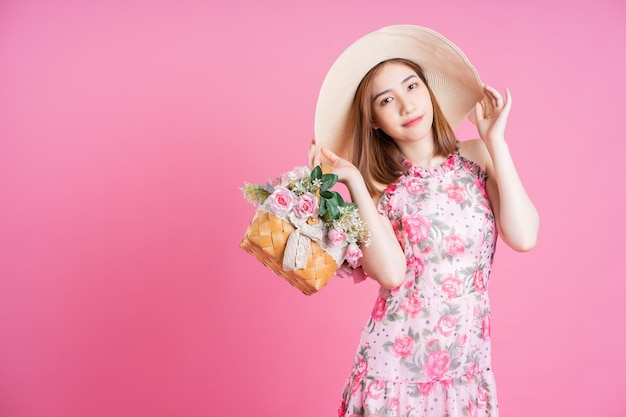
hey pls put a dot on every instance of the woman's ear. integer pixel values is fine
(374, 125)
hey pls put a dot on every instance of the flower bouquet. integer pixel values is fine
(302, 230)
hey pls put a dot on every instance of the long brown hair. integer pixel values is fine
(375, 153)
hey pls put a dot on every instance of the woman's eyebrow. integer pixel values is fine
(388, 90)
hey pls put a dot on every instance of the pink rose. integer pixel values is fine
(346, 272)
(295, 174)
(446, 325)
(402, 346)
(486, 327)
(361, 366)
(452, 286)
(416, 227)
(281, 200)
(306, 206)
(380, 309)
(353, 254)
(482, 397)
(437, 364)
(425, 387)
(414, 186)
(336, 236)
(479, 280)
(375, 389)
(454, 245)
(462, 339)
(358, 275)
(456, 193)
(471, 369)
(417, 264)
(412, 305)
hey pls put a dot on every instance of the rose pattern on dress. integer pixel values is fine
(380, 309)
(431, 335)
(402, 346)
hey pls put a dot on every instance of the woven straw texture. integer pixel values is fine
(266, 238)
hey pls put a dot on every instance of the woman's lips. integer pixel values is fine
(413, 122)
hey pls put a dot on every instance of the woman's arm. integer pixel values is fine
(517, 219)
(383, 260)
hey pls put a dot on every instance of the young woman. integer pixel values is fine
(435, 207)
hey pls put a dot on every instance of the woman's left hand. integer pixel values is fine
(492, 114)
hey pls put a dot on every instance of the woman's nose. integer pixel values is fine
(406, 106)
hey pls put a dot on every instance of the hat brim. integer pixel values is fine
(452, 78)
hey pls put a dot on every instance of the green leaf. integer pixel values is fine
(328, 180)
(326, 195)
(322, 208)
(339, 199)
(316, 174)
(333, 209)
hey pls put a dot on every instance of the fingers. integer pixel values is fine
(509, 99)
(493, 103)
(330, 155)
(311, 153)
(479, 111)
(495, 97)
(317, 154)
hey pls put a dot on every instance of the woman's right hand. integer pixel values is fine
(331, 162)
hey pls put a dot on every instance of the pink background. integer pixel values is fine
(126, 128)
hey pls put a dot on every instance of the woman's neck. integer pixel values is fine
(421, 154)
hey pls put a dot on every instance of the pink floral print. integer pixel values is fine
(430, 338)
(412, 305)
(454, 245)
(416, 227)
(380, 309)
(437, 364)
(402, 346)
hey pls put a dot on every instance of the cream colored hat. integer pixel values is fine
(450, 75)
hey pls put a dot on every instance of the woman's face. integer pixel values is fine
(401, 104)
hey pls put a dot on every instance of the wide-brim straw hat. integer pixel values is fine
(450, 75)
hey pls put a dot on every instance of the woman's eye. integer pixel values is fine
(412, 86)
(386, 101)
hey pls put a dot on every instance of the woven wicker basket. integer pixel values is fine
(266, 239)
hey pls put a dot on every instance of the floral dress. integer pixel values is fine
(425, 350)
